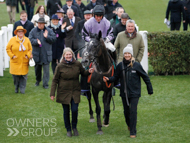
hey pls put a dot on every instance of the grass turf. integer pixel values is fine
(162, 117)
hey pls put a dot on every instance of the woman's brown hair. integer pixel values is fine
(37, 11)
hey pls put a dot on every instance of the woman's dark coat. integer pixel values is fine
(66, 81)
(132, 80)
(58, 46)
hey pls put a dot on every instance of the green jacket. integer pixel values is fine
(11, 2)
(66, 81)
(136, 40)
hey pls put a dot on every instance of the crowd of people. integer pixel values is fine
(54, 34)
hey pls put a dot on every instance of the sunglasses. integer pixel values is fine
(20, 31)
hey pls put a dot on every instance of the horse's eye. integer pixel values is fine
(86, 54)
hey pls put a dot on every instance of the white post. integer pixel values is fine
(6, 57)
(9, 31)
(1, 53)
(144, 61)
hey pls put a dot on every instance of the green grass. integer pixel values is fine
(162, 117)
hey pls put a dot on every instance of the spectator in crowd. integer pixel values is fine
(92, 4)
(24, 22)
(60, 14)
(19, 50)
(130, 72)
(110, 8)
(130, 36)
(59, 44)
(42, 39)
(40, 13)
(72, 22)
(81, 6)
(80, 13)
(52, 6)
(30, 4)
(121, 26)
(117, 17)
(17, 6)
(175, 7)
(186, 4)
(11, 9)
(68, 92)
(69, 5)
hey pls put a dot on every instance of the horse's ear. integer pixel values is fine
(99, 35)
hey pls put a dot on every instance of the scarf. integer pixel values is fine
(41, 15)
(21, 47)
(126, 62)
(55, 26)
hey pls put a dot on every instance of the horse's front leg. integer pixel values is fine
(106, 100)
(98, 111)
(90, 107)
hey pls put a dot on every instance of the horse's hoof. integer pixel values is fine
(99, 132)
(92, 120)
(105, 125)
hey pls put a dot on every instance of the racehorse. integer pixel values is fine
(97, 55)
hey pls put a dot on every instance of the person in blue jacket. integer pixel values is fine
(59, 44)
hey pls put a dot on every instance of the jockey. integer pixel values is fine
(99, 23)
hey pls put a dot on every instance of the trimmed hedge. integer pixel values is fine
(169, 52)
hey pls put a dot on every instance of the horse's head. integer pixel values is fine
(93, 49)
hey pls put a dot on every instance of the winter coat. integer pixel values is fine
(109, 8)
(133, 79)
(28, 26)
(115, 20)
(70, 40)
(43, 54)
(59, 44)
(91, 6)
(75, 9)
(186, 4)
(19, 65)
(117, 29)
(31, 3)
(52, 6)
(36, 17)
(66, 82)
(136, 40)
(11, 2)
(176, 9)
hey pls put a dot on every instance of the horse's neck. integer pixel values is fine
(104, 61)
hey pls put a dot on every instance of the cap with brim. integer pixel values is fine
(54, 16)
(87, 12)
(20, 28)
(41, 20)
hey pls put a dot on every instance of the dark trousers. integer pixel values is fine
(130, 113)
(17, 6)
(30, 11)
(175, 26)
(66, 115)
(38, 72)
(187, 22)
(20, 82)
